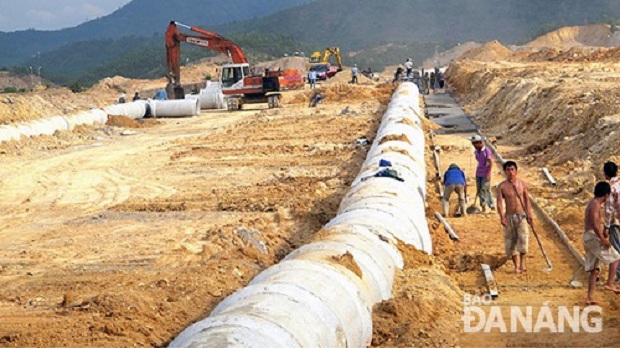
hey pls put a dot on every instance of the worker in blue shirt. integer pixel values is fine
(161, 95)
(454, 181)
(312, 78)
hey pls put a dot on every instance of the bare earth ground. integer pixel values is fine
(111, 240)
(123, 241)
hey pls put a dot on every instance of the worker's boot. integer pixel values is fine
(463, 207)
(446, 207)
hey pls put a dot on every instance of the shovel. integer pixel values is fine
(575, 283)
(472, 209)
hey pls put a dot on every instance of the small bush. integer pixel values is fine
(76, 88)
(9, 90)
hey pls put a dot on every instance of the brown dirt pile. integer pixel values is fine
(299, 63)
(345, 77)
(425, 310)
(126, 122)
(489, 52)
(559, 112)
(343, 92)
(48, 103)
(448, 56)
(599, 35)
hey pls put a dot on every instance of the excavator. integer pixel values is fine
(320, 62)
(240, 85)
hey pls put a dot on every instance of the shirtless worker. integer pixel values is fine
(513, 192)
(596, 244)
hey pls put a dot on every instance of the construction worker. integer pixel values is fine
(136, 96)
(513, 192)
(484, 157)
(612, 208)
(398, 74)
(161, 95)
(597, 245)
(122, 99)
(354, 72)
(454, 181)
(409, 68)
(312, 78)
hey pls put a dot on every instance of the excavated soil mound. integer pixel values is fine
(425, 310)
(587, 35)
(345, 77)
(123, 121)
(343, 92)
(489, 52)
(298, 63)
(449, 56)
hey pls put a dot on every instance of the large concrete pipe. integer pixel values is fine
(133, 110)
(174, 108)
(210, 97)
(321, 295)
(51, 125)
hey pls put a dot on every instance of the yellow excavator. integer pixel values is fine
(320, 62)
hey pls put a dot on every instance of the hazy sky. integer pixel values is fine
(52, 14)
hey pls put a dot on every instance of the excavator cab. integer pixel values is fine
(233, 73)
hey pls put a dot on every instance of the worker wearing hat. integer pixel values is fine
(484, 157)
(454, 181)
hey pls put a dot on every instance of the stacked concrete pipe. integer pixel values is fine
(134, 110)
(174, 108)
(52, 124)
(210, 97)
(315, 297)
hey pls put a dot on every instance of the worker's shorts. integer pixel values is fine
(516, 234)
(595, 251)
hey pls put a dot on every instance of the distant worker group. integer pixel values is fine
(435, 81)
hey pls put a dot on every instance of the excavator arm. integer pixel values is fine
(332, 51)
(205, 39)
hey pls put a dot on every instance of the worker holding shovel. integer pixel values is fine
(484, 157)
(513, 193)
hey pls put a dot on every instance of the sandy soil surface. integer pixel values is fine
(121, 240)
(481, 241)
(116, 240)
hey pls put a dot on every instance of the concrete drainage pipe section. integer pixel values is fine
(52, 124)
(174, 108)
(134, 110)
(321, 295)
(210, 97)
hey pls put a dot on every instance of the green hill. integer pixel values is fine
(354, 24)
(137, 57)
(139, 18)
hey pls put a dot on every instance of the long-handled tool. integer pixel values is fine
(472, 209)
(575, 283)
(550, 268)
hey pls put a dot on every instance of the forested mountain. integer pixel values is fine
(353, 24)
(373, 33)
(138, 18)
